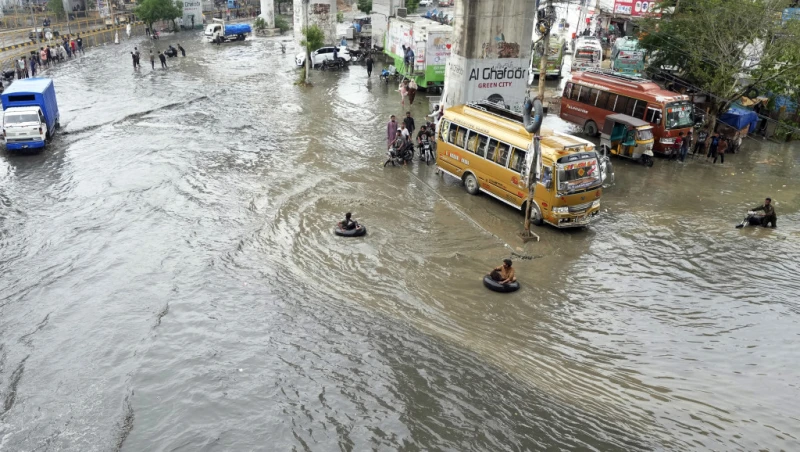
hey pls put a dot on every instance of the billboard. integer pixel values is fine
(192, 13)
(499, 80)
(437, 52)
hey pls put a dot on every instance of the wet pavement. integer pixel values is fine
(170, 281)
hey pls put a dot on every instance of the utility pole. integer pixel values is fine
(544, 24)
(308, 50)
(33, 20)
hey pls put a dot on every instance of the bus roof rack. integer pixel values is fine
(496, 109)
(626, 77)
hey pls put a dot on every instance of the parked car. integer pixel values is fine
(425, 3)
(320, 55)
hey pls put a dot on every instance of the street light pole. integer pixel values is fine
(308, 50)
(33, 20)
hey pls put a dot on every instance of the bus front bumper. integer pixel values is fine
(573, 220)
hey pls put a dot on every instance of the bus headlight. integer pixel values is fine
(561, 209)
(596, 204)
(667, 141)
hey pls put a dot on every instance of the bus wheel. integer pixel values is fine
(590, 128)
(471, 184)
(536, 215)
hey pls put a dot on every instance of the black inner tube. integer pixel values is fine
(497, 287)
(533, 126)
(357, 232)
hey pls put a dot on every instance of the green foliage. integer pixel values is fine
(412, 6)
(150, 11)
(365, 6)
(313, 38)
(91, 5)
(260, 23)
(722, 45)
(56, 8)
(282, 24)
(339, 16)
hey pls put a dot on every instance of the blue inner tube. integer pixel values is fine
(357, 232)
(497, 287)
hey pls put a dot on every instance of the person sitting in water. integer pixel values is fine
(769, 213)
(348, 224)
(503, 274)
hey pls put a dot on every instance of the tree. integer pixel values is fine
(282, 24)
(313, 39)
(726, 48)
(56, 7)
(365, 6)
(150, 11)
(412, 5)
(260, 23)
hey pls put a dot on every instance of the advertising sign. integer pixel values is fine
(437, 52)
(499, 80)
(634, 8)
(192, 13)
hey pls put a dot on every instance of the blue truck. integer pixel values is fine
(30, 113)
(218, 31)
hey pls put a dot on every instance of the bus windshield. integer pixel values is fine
(577, 176)
(588, 54)
(679, 115)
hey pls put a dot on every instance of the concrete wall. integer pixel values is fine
(321, 13)
(268, 12)
(491, 52)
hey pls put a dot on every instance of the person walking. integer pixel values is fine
(701, 142)
(370, 62)
(685, 145)
(183, 51)
(152, 60)
(403, 88)
(80, 44)
(676, 147)
(409, 123)
(133, 57)
(33, 66)
(44, 57)
(412, 91)
(723, 146)
(391, 131)
(147, 31)
(712, 148)
(163, 60)
(20, 69)
(138, 55)
(73, 46)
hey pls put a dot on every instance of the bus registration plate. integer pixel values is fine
(582, 220)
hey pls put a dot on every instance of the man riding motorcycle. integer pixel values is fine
(769, 213)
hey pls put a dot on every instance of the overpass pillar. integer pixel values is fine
(321, 13)
(491, 52)
(268, 12)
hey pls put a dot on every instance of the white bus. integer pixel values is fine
(588, 54)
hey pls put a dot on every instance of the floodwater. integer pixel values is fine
(170, 281)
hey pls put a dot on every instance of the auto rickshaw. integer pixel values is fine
(628, 137)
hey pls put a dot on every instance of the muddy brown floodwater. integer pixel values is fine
(170, 281)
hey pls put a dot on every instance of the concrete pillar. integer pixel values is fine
(380, 20)
(491, 52)
(321, 13)
(268, 12)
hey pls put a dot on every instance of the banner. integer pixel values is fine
(634, 8)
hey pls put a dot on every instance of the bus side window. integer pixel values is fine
(444, 129)
(517, 160)
(638, 111)
(502, 154)
(575, 90)
(612, 101)
(567, 90)
(490, 151)
(622, 103)
(461, 138)
(584, 96)
(653, 116)
(547, 177)
(629, 108)
(472, 142)
(482, 140)
(451, 137)
(602, 99)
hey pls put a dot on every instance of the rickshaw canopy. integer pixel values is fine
(619, 118)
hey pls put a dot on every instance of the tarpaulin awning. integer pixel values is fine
(739, 118)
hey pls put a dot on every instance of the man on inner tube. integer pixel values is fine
(503, 274)
(769, 213)
(348, 224)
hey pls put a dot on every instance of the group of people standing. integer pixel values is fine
(713, 147)
(49, 55)
(135, 56)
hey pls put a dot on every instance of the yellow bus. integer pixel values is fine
(489, 149)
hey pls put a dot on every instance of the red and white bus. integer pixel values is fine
(592, 95)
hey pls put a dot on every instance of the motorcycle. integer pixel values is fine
(399, 156)
(386, 74)
(426, 152)
(752, 219)
(336, 64)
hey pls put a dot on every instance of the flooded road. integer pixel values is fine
(170, 281)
